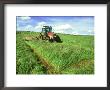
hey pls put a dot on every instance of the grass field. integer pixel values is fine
(74, 56)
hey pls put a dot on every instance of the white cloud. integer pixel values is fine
(37, 28)
(58, 28)
(25, 17)
(90, 31)
(63, 26)
(26, 28)
(17, 25)
(39, 25)
(58, 31)
(75, 33)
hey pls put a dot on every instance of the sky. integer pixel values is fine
(77, 25)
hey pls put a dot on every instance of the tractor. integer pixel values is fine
(47, 34)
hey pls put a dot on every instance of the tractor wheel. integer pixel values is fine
(51, 40)
(57, 39)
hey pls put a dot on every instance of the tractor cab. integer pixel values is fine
(46, 29)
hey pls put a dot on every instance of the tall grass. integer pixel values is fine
(26, 61)
(74, 56)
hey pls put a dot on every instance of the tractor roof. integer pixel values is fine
(45, 26)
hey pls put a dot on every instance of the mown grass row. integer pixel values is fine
(74, 56)
(50, 69)
(26, 61)
(62, 55)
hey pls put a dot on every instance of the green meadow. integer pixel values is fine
(75, 55)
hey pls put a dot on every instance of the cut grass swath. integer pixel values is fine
(74, 56)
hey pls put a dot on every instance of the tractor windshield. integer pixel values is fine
(47, 29)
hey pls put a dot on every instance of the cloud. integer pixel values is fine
(38, 27)
(24, 17)
(57, 29)
(91, 32)
(75, 33)
(64, 26)
(17, 25)
(24, 21)
(25, 28)
(41, 23)
(28, 27)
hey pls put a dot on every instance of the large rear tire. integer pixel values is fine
(57, 39)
